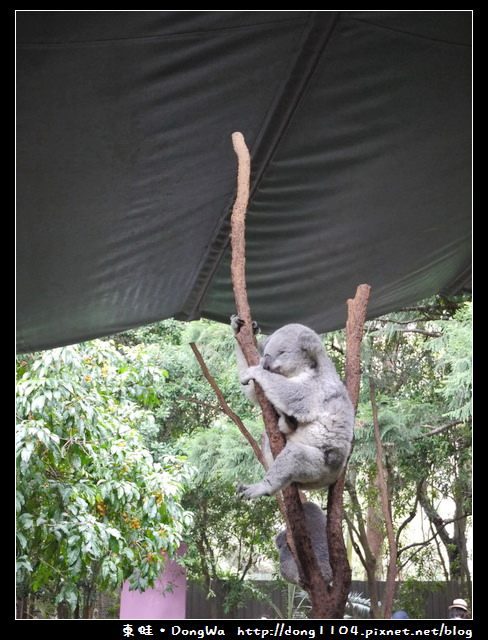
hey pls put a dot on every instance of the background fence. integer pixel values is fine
(198, 606)
(436, 602)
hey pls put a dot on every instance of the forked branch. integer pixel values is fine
(298, 536)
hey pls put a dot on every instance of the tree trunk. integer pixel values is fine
(326, 603)
(365, 550)
(455, 545)
(386, 509)
(339, 590)
(300, 543)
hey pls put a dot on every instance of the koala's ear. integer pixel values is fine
(310, 344)
(261, 346)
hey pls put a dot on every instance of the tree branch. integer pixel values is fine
(386, 508)
(298, 536)
(238, 241)
(325, 603)
(224, 406)
(356, 317)
(245, 335)
(337, 597)
(436, 430)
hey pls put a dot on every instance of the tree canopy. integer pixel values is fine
(95, 506)
(123, 452)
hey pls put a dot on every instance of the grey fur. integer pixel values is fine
(316, 524)
(316, 414)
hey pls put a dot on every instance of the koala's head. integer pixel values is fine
(292, 350)
(280, 540)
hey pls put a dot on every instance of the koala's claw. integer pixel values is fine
(251, 373)
(252, 491)
(246, 491)
(241, 489)
(236, 323)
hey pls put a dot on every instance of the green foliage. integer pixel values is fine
(104, 429)
(454, 349)
(222, 454)
(94, 507)
(357, 606)
(229, 535)
(413, 596)
(235, 592)
(420, 361)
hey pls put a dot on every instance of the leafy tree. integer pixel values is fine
(413, 596)
(454, 350)
(94, 506)
(410, 356)
(420, 360)
(229, 536)
(77, 403)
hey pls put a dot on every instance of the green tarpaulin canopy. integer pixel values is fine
(359, 126)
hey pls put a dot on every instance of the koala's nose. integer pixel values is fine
(267, 362)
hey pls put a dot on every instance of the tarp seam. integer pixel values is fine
(155, 38)
(314, 39)
(410, 33)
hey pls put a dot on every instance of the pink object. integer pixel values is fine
(159, 602)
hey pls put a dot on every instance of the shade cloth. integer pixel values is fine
(359, 126)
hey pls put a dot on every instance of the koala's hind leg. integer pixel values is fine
(296, 463)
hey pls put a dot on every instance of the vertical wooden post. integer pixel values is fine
(326, 603)
(295, 520)
(337, 596)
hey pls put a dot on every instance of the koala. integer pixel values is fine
(316, 524)
(315, 412)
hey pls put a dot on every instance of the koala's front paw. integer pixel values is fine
(252, 491)
(251, 373)
(236, 323)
